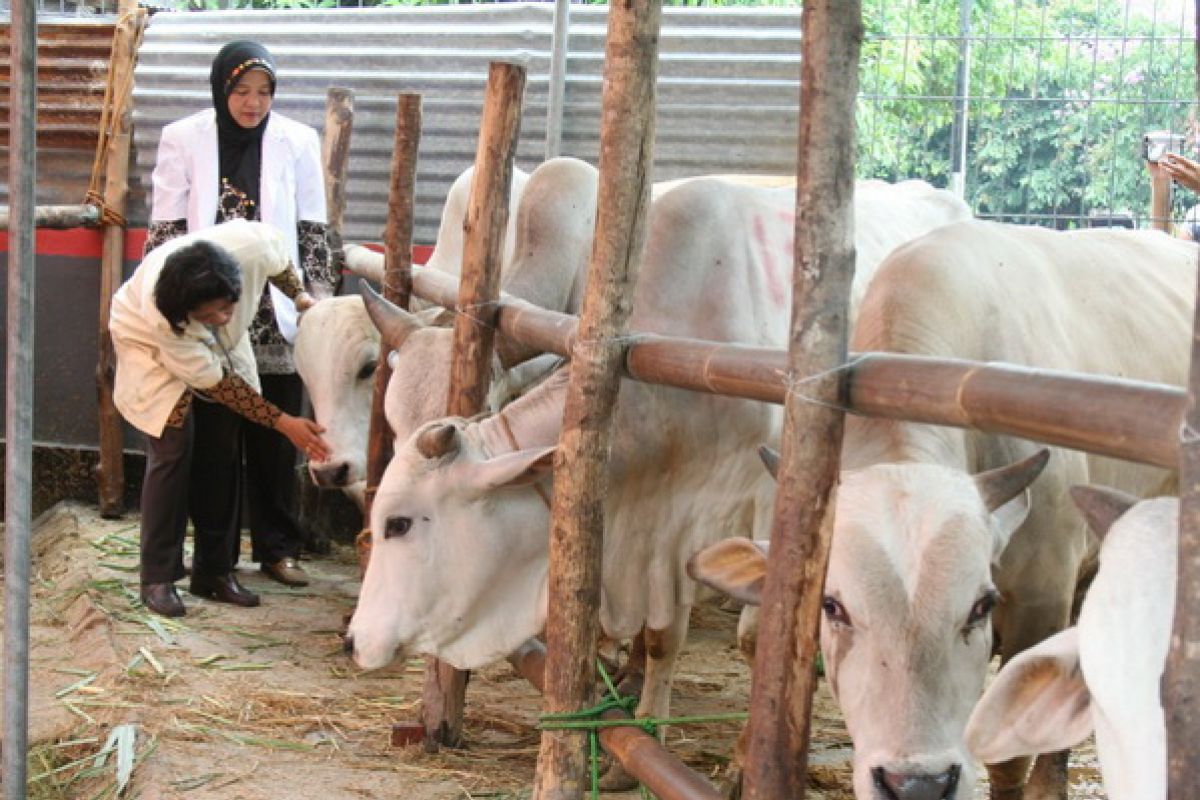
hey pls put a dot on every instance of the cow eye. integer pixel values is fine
(982, 609)
(835, 612)
(367, 370)
(396, 526)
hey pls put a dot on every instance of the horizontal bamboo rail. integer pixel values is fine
(1135, 421)
(59, 217)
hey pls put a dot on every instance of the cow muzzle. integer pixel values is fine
(916, 785)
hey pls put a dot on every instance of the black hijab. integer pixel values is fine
(240, 148)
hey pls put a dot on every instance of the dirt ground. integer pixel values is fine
(259, 704)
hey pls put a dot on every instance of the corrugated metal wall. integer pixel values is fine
(72, 70)
(728, 87)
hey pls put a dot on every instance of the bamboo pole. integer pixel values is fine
(110, 471)
(59, 217)
(1132, 420)
(642, 755)
(784, 675)
(444, 694)
(335, 155)
(397, 288)
(580, 477)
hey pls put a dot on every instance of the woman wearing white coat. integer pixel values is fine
(240, 160)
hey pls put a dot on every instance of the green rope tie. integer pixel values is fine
(588, 719)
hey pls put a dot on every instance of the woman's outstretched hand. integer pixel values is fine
(305, 435)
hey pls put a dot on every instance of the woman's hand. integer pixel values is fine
(1182, 170)
(305, 435)
(304, 301)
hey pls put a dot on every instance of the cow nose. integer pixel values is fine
(916, 785)
(334, 474)
(348, 644)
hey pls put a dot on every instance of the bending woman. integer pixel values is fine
(185, 372)
(241, 160)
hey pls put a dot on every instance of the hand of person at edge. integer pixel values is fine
(1182, 170)
(305, 435)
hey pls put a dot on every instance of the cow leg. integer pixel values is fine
(1007, 780)
(1048, 781)
(662, 650)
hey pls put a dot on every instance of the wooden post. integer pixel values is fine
(580, 478)
(397, 288)
(470, 371)
(110, 471)
(1160, 200)
(335, 154)
(784, 665)
(1181, 678)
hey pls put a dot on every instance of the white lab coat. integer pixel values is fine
(291, 187)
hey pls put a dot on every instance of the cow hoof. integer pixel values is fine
(730, 786)
(616, 779)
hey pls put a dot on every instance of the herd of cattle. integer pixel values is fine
(950, 545)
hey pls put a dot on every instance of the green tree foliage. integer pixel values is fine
(1060, 92)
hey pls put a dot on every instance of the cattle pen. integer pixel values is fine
(1135, 421)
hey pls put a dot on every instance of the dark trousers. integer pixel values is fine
(193, 472)
(271, 477)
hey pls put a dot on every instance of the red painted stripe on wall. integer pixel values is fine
(88, 242)
(80, 242)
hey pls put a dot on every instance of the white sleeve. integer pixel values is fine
(171, 181)
(310, 179)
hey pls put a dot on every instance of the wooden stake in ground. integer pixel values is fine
(335, 155)
(580, 479)
(115, 139)
(785, 658)
(474, 333)
(1181, 679)
(397, 288)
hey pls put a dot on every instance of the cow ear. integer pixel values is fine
(1101, 506)
(737, 567)
(513, 469)
(1038, 703)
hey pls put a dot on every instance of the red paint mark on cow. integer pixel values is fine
(776, 287)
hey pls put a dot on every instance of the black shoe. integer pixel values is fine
(161, 598)
(224, 589)
(286, 570)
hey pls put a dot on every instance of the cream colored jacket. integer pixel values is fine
(154, 365)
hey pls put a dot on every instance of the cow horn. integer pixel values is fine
(998, 486)
(394, 323)
(770, 459)
(1101, 506)
(437, 441)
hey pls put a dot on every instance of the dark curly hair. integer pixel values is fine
(193, 275)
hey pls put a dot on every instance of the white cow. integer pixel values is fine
(460, 550)
(337, 346)
(1103, 674)
(546, 252)
(927, 560)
